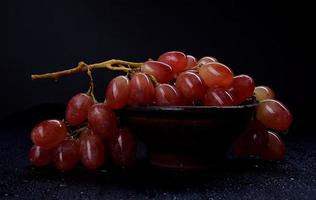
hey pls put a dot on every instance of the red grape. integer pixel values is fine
(190, 85)
(77, 109)
(241, 88)
(49, 133)
(206, 59)
(263, 92)
(217, 97)
(117, 92)
(39, 157)
(177, 60)
(161, 71)
(142, 90)
(102, 120)
(66, 155)
(275, 148)
(167, 95)
(92, 153)
(252, 141)
(216, 75)
(191, 61)
(123, 148)
(273, 114)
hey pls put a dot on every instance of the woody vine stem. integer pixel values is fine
(113, 64)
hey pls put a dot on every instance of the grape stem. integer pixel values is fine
(91, 88)
(153, 79)
(75, 134)
(113, 64)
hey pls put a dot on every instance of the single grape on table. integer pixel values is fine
(92, 151)
(92, 135)
(66, 155)
(123, 148)
(39, 156)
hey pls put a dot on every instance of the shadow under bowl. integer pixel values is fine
(188, 137)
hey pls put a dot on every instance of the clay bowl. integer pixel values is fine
(188, 137)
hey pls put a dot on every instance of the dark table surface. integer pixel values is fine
(293, 178)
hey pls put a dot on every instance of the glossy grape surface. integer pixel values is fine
(273, 114)
(275, 148)
(191, 86)
(102, 120)
(117, 92)
(66, 156)
(241, 88)
(123, 148)
(39, 157)
(216, 75)
(191, 61)
(161, 71)
(167, 95)
(263, 92)
(49, 133)
(252, 141)
(92, 151)
(217, 97)
(142, 90)
(77, 109)
(176, 59)
(206, 59)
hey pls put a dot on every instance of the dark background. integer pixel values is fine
(270, 41)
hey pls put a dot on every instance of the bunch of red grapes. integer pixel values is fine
(90, 132)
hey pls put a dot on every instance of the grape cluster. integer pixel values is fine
(90, 132)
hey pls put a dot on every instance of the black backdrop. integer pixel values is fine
(269, 41)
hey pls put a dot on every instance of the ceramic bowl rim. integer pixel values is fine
(189, 108)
